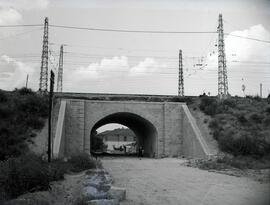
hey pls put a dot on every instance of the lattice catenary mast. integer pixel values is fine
(60, 71)
(180, 77)
(43, 82)
(222, 69)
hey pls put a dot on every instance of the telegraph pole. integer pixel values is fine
(180, 76)
(60, 71)
(50, 117)
(43, 82)
(261, 90)
(222, 68)
(26, 83)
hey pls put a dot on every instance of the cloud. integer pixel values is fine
(115, 63)
(10, 10)
(15, 76)
(115, 68)
(105, 68)
(9, 16)
(244, 49)
(147, 65)
(25, 4)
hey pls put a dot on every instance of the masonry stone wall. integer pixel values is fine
(74, 127)
(82, 115)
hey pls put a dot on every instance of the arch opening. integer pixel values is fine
(115, 139)
(146, 133)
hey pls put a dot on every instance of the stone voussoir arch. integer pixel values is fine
(145, 131)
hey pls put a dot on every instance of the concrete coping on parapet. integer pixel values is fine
(123, 102)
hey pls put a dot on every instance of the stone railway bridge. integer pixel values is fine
(163, 125)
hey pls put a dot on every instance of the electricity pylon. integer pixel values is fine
(43, 82)
(222, 68)
(60, 71)
(180, 77)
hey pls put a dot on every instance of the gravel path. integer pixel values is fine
(168, 181)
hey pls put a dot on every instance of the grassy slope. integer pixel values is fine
(241, 127)
(22, 113)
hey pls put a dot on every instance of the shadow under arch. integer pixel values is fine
(145, 131)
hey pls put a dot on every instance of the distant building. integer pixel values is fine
(117, 142)
(120, 140)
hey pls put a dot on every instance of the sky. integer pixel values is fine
(137, 63)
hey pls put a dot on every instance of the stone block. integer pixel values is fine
(90, 192)
(103, 202)
(117, 193)
(27, 202)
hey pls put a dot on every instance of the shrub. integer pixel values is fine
(240, 126)
(257, 118)
(34, 105)
(11, 145)
(188, 100)
(239, 162)
(243, 143)
(23, 112)
(242, 118)
(214, 124)
(81, 162)
(230, 102)
(97, 143)
(24, 91)
(266, 120)
(57, 169)
(212, 164)
(258, 98)
(3, 96)
(23, 174)
(34, 122)
(5, 112)
(267, 110)
(29, 173)
(208, 105)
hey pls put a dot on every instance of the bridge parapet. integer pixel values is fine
(124, 97)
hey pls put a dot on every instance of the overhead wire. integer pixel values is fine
(244, 37)
(20, 25)
(109, 48)
(249, 38)
(129, 30)
(20, 34)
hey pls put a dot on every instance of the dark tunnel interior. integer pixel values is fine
(146, 133)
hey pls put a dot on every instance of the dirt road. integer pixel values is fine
(168, 181)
